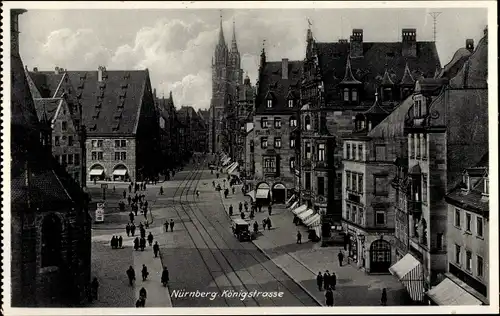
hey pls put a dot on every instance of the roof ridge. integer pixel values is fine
(407, 77)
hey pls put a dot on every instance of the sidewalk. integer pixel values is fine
(303, 261)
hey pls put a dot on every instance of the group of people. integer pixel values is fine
(141, 301)
(167, 224)
(328, 282)
(116, 242)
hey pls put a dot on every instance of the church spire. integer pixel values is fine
(222, 41)
(234, 45)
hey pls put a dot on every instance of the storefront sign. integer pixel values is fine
(99, 212)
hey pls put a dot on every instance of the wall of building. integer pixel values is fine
(108, 162)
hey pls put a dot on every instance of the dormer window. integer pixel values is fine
(346, 94)
(269, 104)
(387, 94)
(354, 95)
(466, 181)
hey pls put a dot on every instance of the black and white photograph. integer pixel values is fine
(328, 157)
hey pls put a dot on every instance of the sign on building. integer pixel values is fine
(99, 212)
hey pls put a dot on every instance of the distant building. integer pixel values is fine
(50, 226)
(195, 129)
(276, 116)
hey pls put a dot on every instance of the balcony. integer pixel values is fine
(414, 207)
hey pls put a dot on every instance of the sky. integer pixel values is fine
(177, 45)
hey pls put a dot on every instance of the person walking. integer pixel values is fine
(156, 249)
(144, 272)
(333, 280)
(124, 194)
(166, 226)
(146, 213)
(150, 239)
(143, 294)
(233, 190)
(161, 190)
(326, 279)
(319, 281)
(269, 225)
(260, 208)
(264, 224)
(270, 209)
(129, 200)
(172, 225)
(143, 231)
(164, 276)
(142, 243)
(114, 242)
(132, 229)
(231, 210)
(120, 242)
(299, 237)
(95, 288)
(383, 299)
(242, 215)
(136, 243)
(240, 207)
(341, 257)
(329, 297)
(131, 275)
(131, 216)
(255, 227)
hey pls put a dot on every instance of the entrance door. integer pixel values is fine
(380, 256)
(279, 194)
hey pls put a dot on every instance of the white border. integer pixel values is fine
(493, 157)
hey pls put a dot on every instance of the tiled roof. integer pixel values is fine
(369, 69)
(474, 73)
(46, 108)
(113, 105)
(348, 76)
(386, 80)
(457, 61)
(47, 82)
(271, 81)
(376, 108)
(430, 86)
(393, 125)
(407, 79)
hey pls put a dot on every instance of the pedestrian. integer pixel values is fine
(255, 227)
(143, 232)
(150, 239)
(144, 272)
(319, 281)
(164, 276)
(156, 249)
(120, 242)
(213, 184)
(226, 192)
(217, 175)
(95, 288)
(124, 193)
(252, 214)
(130, 188)
(112, 242)
(129, 200)
(143, 294)
(341, 257)
(269, 225)
(142, 243)
(326, 279)
(383, 299)
(233, 190)
(136, 243)
(131, 275)
(161, 190)
(329, 297)
(260, 208)
(197, 193)
(166, 226)
(270, 209)
(132, 229)
(333, 280)
(141, 302)
(242, 215)
(146, 204)
(131, 216)
(231, 210)
(299, 237)
(240, 206)
(171, 225)
(146, 212)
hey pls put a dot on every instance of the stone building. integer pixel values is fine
(447, 130)
(276, 113)
(50, 226)
(227, 76)
(195, 129)
(340, 81)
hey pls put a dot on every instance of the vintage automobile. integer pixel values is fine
(241, 230)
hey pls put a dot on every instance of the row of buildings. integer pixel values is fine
(380, 141)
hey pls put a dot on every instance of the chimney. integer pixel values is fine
(56, 70)
(284, 68)
(14, 30)
(469, 45)
(409, 42)
(35, 69)
(100, 71)
(357, 43)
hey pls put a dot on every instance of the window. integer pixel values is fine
(468, 260)
(308, 181)
(292, 163)
(308, 150)
(348, 180)
(277, 122)
(70, 140)
(321, 186)
(354, 177)
(123, 155)
(100, 155)
(360, 152)
(354, 95)
(94, 144)
(57, 141)
(99, 143)
(348, 211)
(94, 155)
(424, 146)
(486, 186)
(269, 104)
(380, 218)
(348, 150)
(263, 142)
(417, 145)
(424, 188)
(360, 183)
(480, 266)
(293, 122)
(117, 143)
(51, 241)
(290, 103)
(410, 146)
(361, 216)
(70, 159)
(321, 152)
(77, 159)
(264, 123)
(353, 214)
(269, 165)
(457, 218)
(468, 222)
(439, 241)
(346, 94)
(277, 142)
(123, 143)
(292, 142)
(380, 153)
(380, 185)
(117, 155)
(387, 94)
(307, 123)
(479, 228)
(64, 125)
(457, 254)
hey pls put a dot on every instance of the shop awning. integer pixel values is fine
(96, 172)
(409, 272)
(120, 172)
(290, 199)
(233, 168)
(448, 293)
(262, 193)
(299, 209)
(294, 205)
(314, 220)
(305, 214)
(251, 194)
(226, 162)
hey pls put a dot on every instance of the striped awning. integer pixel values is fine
(96, 172)
(410, 273)
(299, 209)
(294, 205)
(262, 193)
(120, 172)
(290, 199)
(251, 194)
(232, 168)
(313, 221)
(305, 214)
(225, 162)
(448, 293)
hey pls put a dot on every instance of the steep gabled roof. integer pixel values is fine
(47, 82)
(47, 108)
(474, 72)
(451, 69)
(348, 76)
(386, 80)
(393, 125)
(407, 79)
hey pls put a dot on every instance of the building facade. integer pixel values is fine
(243, 116)
(227, 76)
(276, 115)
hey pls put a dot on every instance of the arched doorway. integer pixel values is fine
(97, 172)
(279, 193)
(263, 194)
(120, 173)
(380, 256)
